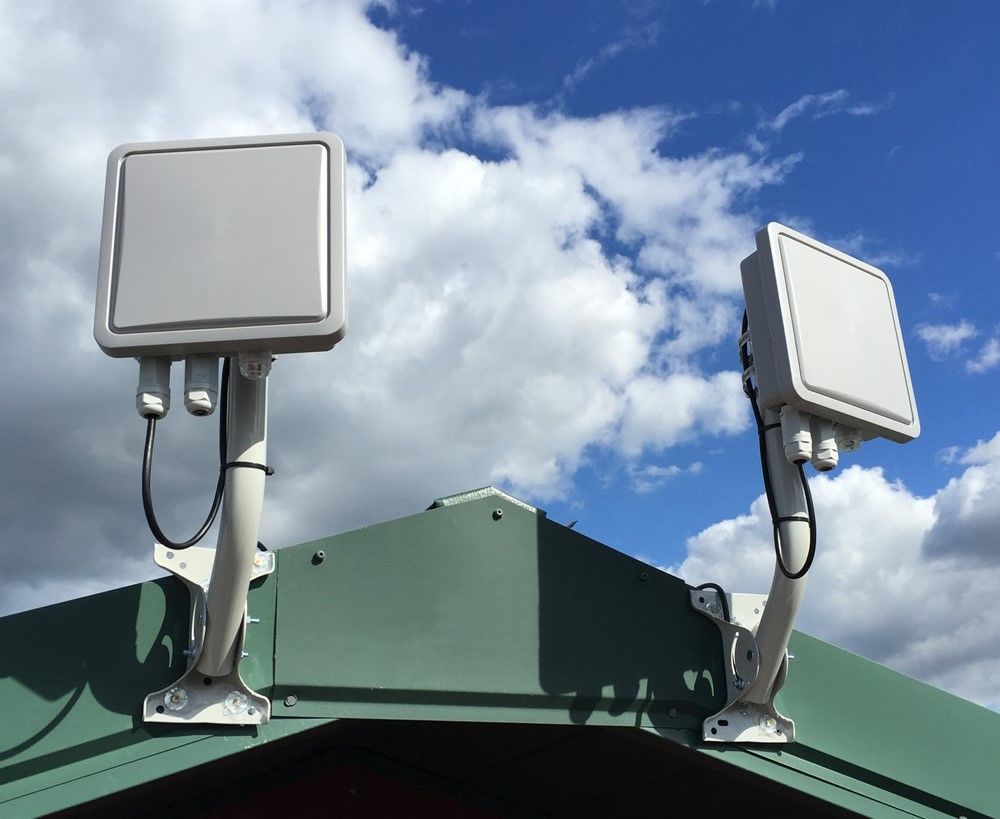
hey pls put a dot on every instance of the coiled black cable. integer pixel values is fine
(147, 473)
(746, 359)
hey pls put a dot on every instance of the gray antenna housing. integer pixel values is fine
(223, 246)
(826, 335)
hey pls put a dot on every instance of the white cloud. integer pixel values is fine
(863, 247)
(984, 452)
(945, 339)
(942, 300)
(631, 38)
(987, 358)
(494, 336)
(968, 514)
(892, 579)
(679, 214)
(714, 405)
(824, 105)
(645, 479)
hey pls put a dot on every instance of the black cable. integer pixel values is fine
(722, 598)
(147, 473)
(746, 360)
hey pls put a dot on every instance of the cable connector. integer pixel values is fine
(796, 435)
(201, 384)
(824, 455)
(152, 395)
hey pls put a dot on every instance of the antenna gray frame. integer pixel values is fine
(826, 335)
(223, 246)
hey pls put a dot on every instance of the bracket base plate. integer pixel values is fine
(195, 697)
(741, 720)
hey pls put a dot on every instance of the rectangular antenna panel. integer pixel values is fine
(223, 245)
(826, 336)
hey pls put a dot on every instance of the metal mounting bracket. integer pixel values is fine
(741, 720)
(195, 697)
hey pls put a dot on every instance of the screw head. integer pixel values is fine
(290, 700)
(643, 576)
(235, 702)
(497, 513)
(175, 699)
(318, 557)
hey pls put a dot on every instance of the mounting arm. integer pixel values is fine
(785, 596)
(241, 511)
(212, 690)
(755, 636)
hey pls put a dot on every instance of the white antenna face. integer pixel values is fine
(826, 336)
(223, 245)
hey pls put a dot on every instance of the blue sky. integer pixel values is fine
(547, 206)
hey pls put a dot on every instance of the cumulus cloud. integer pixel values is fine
(679, 214)
(944, 339)
(986, 359)
(510, 315)
(892, 578)
(968, 514)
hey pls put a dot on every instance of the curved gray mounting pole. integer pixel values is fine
(211, 690)
(755, 640)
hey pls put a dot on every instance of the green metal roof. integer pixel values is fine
(477, 612)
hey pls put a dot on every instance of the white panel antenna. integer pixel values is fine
(826, 336)
(222, 246)
(230, 248)
(824, 367)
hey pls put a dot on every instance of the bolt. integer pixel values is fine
(290, 700)
(497, 513)
(187, 652)
(643, 576)
(253, 619)
(671, 712)
(245, 654)
(318, 557)
(251, 710)
(175, 699)
(235, 702)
